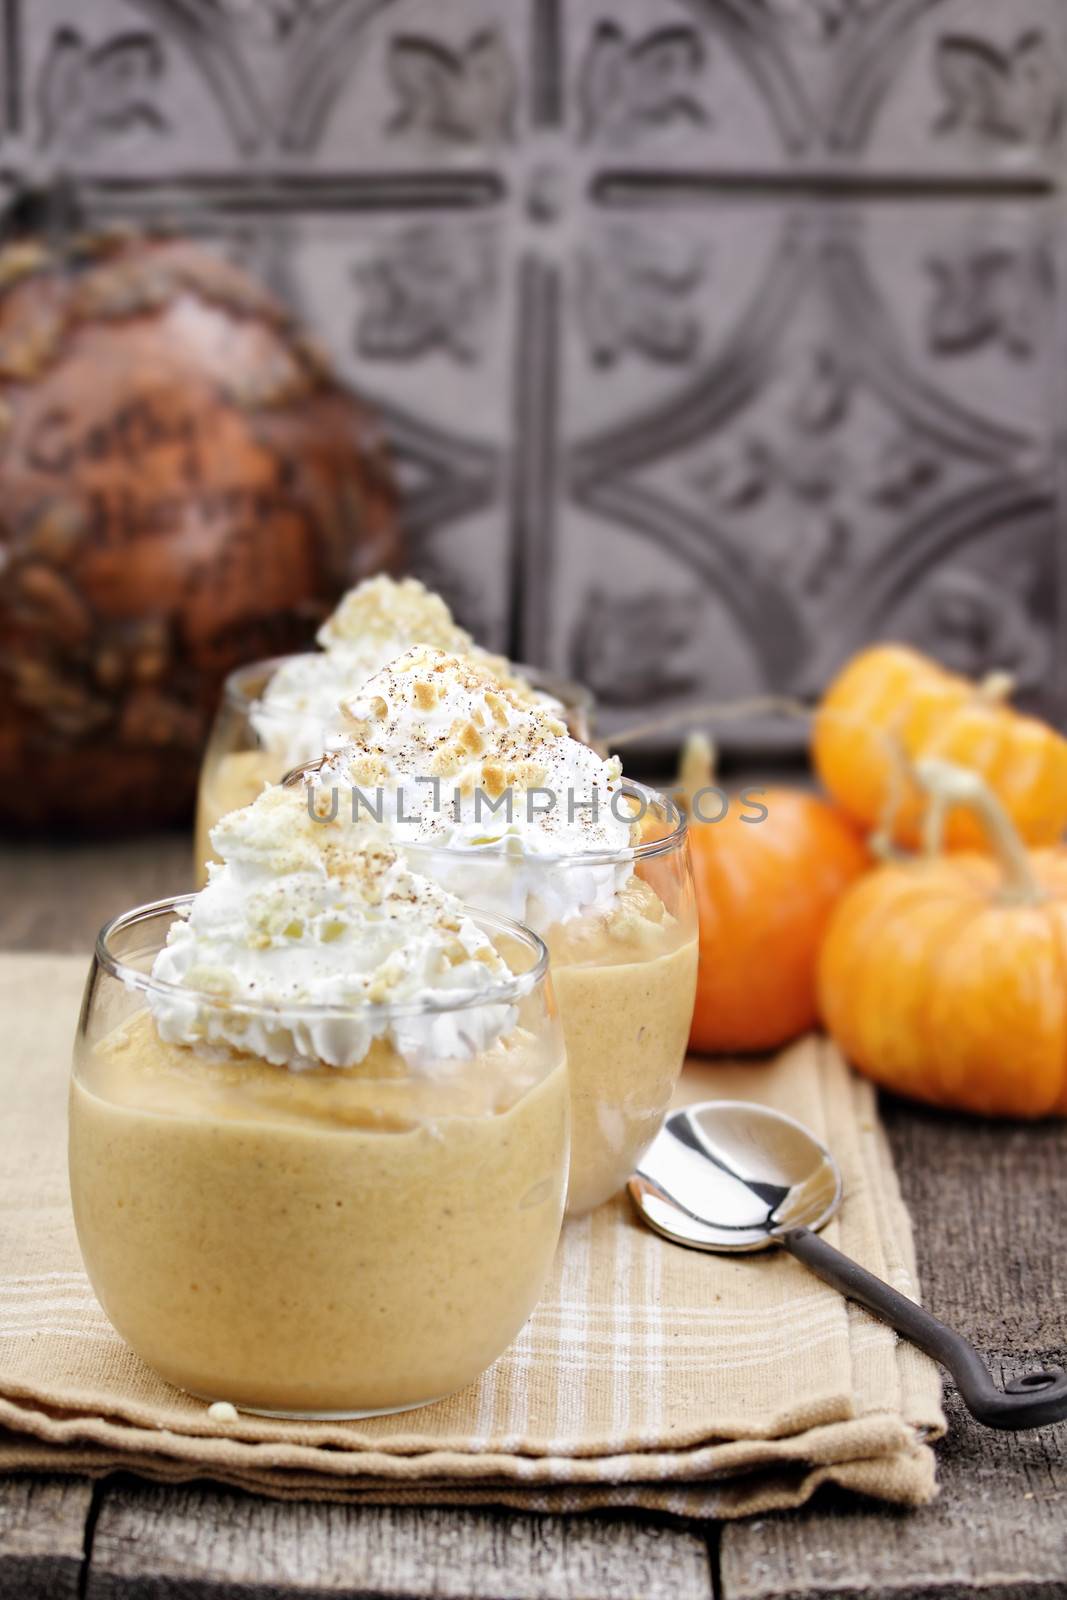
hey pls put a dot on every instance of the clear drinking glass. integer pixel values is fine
(238, 760)
(327, 1242)
(624, 974)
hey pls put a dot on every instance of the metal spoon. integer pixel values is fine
(727, 1176)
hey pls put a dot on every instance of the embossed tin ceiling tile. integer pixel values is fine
(907, 87)
(467, 560)
(635, 82)
(951, 86)
(652, 423)
(847, 453)
(629, 618)
(418, 309)
(661, 83)
(412, 84)
(143, 89)
(973, 293)
(915, 89)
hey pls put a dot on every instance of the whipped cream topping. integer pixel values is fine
(305, 913)
(297, 717)
(449, 759)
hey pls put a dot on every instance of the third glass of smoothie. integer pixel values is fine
(276, 714)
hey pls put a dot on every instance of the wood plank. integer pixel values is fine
(985, 1198)
(195, 1542)
(981, 1197)
(998, 1530)
(56, 897)
(42, 1536)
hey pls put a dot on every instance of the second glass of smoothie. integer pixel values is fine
(624, 975)
(486, 793)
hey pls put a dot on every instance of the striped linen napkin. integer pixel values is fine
(650, 1376)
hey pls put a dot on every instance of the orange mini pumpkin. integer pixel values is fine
(944, 978)
(765, 890)
(891, 706)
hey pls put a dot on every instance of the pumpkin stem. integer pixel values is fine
(949, 785)
(769, 705)
(696, 768)
(880, 842)
(896, 791)
(996, 687)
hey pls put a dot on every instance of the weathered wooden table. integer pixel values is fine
(989, 1207)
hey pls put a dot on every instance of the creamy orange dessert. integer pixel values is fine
(625, 980)
(488, 793)
(295, 717)
(319, 1167)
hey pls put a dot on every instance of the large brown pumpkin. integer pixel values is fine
(183, 487)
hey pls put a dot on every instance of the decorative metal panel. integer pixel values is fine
(714, 337)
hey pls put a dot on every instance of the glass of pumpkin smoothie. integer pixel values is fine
(621, 930)
(491, 797)
(278, 713)
(318, 1126)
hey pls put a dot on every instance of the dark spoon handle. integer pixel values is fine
(1031, 1401)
